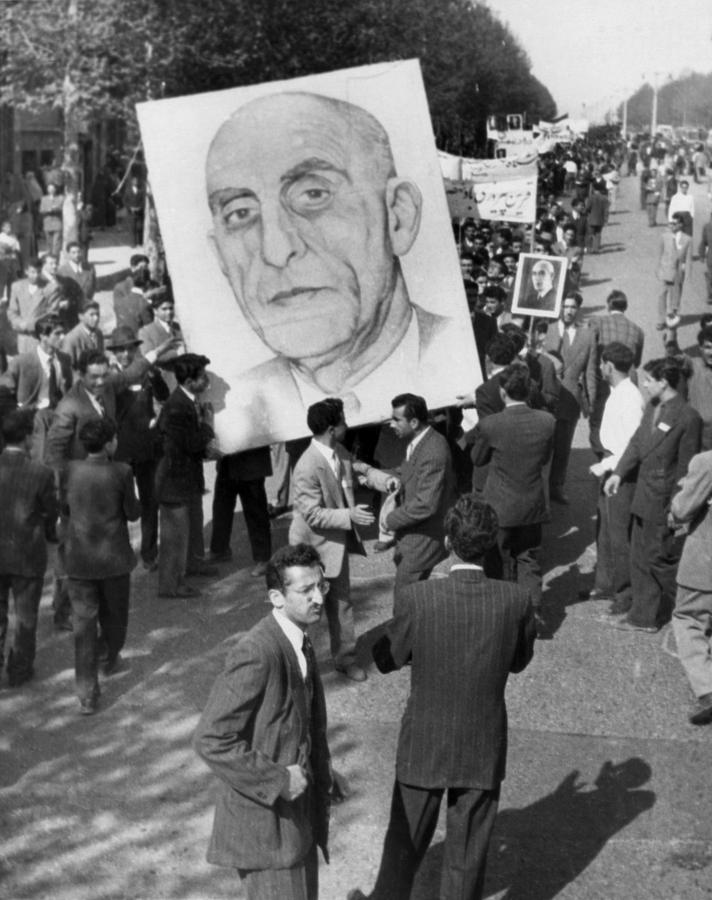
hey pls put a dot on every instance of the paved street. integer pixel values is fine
(608, 787)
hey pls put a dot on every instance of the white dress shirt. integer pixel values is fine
(416, 440)
(330, 456)
(46, 361)
(621, 417)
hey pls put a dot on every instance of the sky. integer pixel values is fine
(591, 54)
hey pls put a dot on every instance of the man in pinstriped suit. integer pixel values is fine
(462, 635)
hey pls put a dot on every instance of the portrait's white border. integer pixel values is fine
(522, 281)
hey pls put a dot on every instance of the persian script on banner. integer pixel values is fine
(499, 189)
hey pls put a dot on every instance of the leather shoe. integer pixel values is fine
(87, 706)
(183, 590)
(595, 594)
(626, 625)
(702, 713)
(259, 569)
(114, 666)
(221, 556)
(203, 570)
(559, 497)
(356, 894)
(353, 672)
(276, 511)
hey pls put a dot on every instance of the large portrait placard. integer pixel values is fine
(310, 248)
(539, 285)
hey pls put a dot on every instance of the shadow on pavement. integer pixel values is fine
(536, 851)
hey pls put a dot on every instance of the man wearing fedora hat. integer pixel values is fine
(139, 442)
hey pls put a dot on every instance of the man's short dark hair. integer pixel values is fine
(17, 425)
(501, 350)
(495, 292)
(618, 354)
(188, 366)
(137, 259)
(50, 255)
(35, 263)
(665, 369)
(95, 434)
(678, 217)
(71, 244)
(90, 358)
(414, 407)
(325, 414)
(46, 325)
(285, 558)
(471, 527)
(617, 300)
(514, 381)
(515, 334)
(704, 335)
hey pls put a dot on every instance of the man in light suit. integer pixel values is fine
(692, 618)
(263, 733)
(667, 438)
(576, 347)
(131, 307)
(672, 263)
(462, 636)
(517, 444)
(26, 296)
(426, 491)
(79, 271)
(28, 508)
(326, 517)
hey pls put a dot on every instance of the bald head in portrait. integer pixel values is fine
(309, 223)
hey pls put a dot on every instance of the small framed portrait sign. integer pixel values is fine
(539, 286)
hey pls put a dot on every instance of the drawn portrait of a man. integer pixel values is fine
(539, 285)
(310, 221)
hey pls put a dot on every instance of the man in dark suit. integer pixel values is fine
(609, 327)
(135, 202)
(693, 603)
(139, 442)
(517, 444)
(575, 347)
(426, 492)
(61, 296)
(263, 733)
(98, 500)
(79, 271)
(185, 425)
(242, 475)
(462, 636)
(131, 307)
(28, 507)
(39, 378)
(667, 438)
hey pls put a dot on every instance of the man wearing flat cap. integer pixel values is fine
(186, 430)
(139, 441)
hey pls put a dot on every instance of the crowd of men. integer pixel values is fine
(100, 430)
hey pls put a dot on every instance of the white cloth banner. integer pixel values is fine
(499, 189)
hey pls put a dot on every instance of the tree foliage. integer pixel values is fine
(98, 57)
(684, 101)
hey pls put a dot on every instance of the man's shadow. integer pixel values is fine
(536, 851)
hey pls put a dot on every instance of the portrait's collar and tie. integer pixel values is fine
(399, 368)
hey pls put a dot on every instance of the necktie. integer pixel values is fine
(54, 392)
(101, 404)
(309, 655)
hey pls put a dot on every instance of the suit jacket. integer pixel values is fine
(579, 371)
(692, 504)
(488, 399)
(99, 498)
(518, 443)
(596, 210)
(705, 249)
(24, 376)
(427, 491)
(615, 326)
(78, 340)
(131, 308)
(153, 334)
(672, 258)
(138, 441)
(255, 724)
(29, 503)
(75, 408)
(185, 441)
(86, 278)
(321, 509)
(661, 454)
(462, 635)
(21, 313)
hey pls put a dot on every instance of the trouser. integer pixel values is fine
(407, 572)
(652, 209)
(300, 882)
(340, 617)
(654, 555)
(519, 548)
(145, 475)
(471, 814)
(613, 543)
(136, 225)
(692, 624)
(563, 439)
(27, 593)
(181, 546)
(669, 299)
(253, 498)
(103, 602)
(596, 417)
(708, 281)
(54, 241)
(594, 238)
